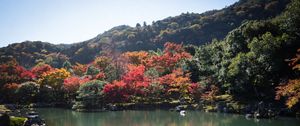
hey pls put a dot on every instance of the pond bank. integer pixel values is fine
(20, 110)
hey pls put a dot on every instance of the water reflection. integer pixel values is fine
(64, 117)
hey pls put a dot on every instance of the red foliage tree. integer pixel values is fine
(133, 83)
(196, 91)
(14, 74)
(73, 83)
(39, 70)
(172, 55)
(100, 76)
(116, 92)
(135, 77)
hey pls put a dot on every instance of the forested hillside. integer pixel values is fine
(187, 28)
(256, 62)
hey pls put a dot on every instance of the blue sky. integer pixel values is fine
(69, 21)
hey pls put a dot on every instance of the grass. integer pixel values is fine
(14, 121)
(17, 121)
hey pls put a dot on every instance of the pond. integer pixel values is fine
(66, 117)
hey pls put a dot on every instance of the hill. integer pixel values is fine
(187, 28)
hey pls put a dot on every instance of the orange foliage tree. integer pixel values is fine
(79, 69)
(176, 84)
(291, 89)
(136, 57)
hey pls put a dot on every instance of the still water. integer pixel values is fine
(65, 117)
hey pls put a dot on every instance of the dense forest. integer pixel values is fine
(253, 56)
(187, 28)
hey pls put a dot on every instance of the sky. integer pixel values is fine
(69, 21)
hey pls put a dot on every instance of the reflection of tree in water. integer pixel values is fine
(66, 117)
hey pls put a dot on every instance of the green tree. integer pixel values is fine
(67, 65)
(91, 70)
(27, 92)
(90, 95)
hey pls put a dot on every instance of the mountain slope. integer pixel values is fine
(189, 28)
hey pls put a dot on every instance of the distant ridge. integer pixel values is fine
(187, 28)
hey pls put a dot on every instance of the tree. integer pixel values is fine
(144, 24)
(79, 69)
(9, 92)
(291, 89)
(91, 70)
(136, 81)
(290, 20)
(196, 91)
(56, 60)
(54, 80)
(90, 95)
(13, 73)
(176, 84)
(172, 56)
(133, 84)
(27, 92)
(39, 70)
(72, 84)
(102, 62)
(116, 92)
(67, 65)
(100, 76)
(136, 58)
(210, 95)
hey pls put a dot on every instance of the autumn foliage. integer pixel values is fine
(291, 89)
(172, 55)
(14, 74)
(137, 76)
(39, 70)
(136, 58)
(54, 78)
(79, 69)
(72, 84)
(136, 83)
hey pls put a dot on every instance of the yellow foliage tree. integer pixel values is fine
(136, 58)
(54, 78)
(102, 62)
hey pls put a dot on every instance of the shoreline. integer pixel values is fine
(21, 110)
